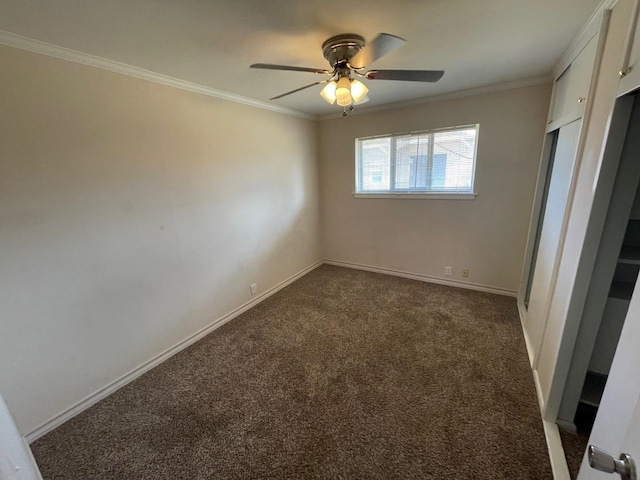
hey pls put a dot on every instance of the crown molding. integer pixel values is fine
(527, 82)
(586, 33)
(25, 43)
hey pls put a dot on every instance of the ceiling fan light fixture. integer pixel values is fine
(329, 92)
(343, 92)
(348, 54)
(358, 90)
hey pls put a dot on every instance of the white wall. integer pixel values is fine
(131, 216)
(486, 235)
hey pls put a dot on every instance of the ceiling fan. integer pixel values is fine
(349, 54)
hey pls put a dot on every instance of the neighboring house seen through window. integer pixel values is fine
(437, 161)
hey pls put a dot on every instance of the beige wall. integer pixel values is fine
(131, 216)
(486, 235)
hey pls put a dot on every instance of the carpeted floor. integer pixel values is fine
(342, 375)
(574, 445)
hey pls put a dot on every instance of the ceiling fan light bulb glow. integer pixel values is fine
(343, 98)
(329, 92)
(343, 92)
(358, 90)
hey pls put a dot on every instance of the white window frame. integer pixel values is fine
(414, 193)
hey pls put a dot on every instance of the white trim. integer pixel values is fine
(499, 87)
(25, 43)
(565, 425)
(422, 132)
(536, 381)
(424, 278)
(576, 114)
(556, 451)
(523, 314)
(590, 28)
(108, 389)
(417, 196)
(557, 456)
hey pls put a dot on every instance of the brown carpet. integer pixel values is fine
(574, 445)
(342, 375)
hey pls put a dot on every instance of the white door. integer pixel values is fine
(617, 425)
(16, 461)
(552, 220)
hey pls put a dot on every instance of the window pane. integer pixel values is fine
(439, 171)
(411, 162)
(436, 161)
(375, 164)
(453, 154)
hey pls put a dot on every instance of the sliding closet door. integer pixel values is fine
(552, 221)
(549, 152)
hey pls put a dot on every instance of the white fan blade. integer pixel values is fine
(406, 75)
(269, 66)
(379, 47)
(298, 89)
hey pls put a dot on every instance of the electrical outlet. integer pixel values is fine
(254, 288)
(447, 271)
(465, 272)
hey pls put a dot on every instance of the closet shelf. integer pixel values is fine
(629, 254)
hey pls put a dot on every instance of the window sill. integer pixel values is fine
(417, 196)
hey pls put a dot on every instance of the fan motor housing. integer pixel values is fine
(342, 48)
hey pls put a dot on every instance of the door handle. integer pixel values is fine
(601, 460)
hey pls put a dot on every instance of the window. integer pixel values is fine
(430, 162)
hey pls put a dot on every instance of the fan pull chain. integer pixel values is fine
(344, 110)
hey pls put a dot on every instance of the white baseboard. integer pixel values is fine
(566, 425)
(556, 452)
(522, 312)
(541, 402)
(425, 278)
(105, 391)
(551, 433)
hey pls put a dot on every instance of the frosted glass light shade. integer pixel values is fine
(358, 90)
(329, 92)
(343, 92)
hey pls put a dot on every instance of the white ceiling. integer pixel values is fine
(213, 42)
